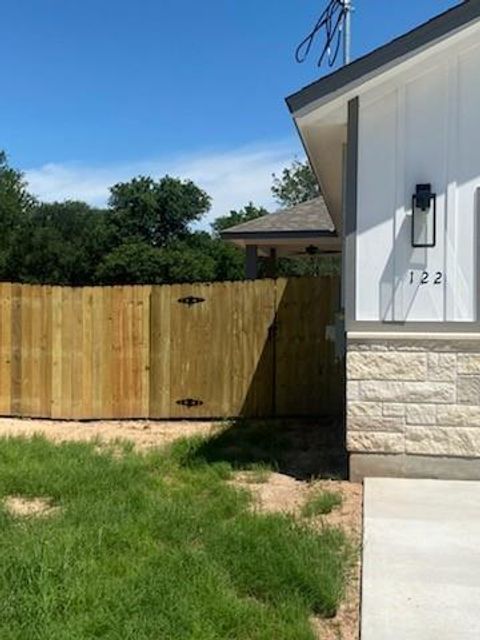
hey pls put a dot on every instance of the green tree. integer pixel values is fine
(155, 212)
(250, 212)
(182, 264)
(144, 236)
(15, 204)
(139, 263)
(58, 243)
(296, 184)
(228, 260)
(133, 262)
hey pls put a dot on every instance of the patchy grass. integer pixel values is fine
(300, 448)
(154, 546)
(322, 503)
(258, 473)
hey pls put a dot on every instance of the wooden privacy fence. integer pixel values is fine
(252, 349)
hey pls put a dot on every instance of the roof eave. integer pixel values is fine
(280, 235)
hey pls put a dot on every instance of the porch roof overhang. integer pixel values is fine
(320, 110)
(304, 229)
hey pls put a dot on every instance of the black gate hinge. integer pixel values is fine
(191, 300)
(190, 403)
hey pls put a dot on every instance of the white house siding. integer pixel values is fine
(413, 400)
(420, 126)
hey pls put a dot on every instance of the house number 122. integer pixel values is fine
(426, 277)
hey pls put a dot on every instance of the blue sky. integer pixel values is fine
(96, 91)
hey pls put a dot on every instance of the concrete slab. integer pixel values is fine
(421, 567)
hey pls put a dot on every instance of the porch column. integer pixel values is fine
(272, 264)
(251, 266)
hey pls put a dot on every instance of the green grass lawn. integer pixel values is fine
(156, 546)
(322, 503)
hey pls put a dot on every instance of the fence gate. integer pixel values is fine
(210, 352)
(252, 349)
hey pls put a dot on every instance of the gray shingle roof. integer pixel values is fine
(310, 217)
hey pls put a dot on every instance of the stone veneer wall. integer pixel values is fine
(412, 396)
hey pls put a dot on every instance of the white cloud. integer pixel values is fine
(232, 178)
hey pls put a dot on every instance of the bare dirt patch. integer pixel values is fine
(144, 434)
(21, 507)
(283, 494)
(279, 493)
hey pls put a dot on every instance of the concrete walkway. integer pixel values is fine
(421, 568)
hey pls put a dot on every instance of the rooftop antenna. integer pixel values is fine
(347, 32)
(335, 22)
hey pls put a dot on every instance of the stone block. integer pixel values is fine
(408, 392)
(443, 441)
(375, 442)
(468, 363)
(386, 366)
(468, 390)
(424, 414)
(378, 391)
(393, 410)
(442, 367)
(364, 409)
(458, 415)
(372, 423)
(353, 391)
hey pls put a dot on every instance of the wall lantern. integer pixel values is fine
(424, 217)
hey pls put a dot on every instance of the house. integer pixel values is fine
(303, 230)
(394, 139)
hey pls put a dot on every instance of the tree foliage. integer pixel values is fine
(156, 212)
(297, 184)
(182, 261)
(15, 205)
(144, 236)
(250, 212)
(59, 243)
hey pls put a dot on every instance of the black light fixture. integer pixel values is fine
(424, 217)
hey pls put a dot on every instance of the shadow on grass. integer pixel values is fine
(302, 449)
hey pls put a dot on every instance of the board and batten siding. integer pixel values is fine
(420, 126)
